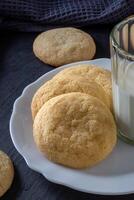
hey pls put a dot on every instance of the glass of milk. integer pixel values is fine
(122, 57)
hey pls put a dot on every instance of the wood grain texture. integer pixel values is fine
(18, 68)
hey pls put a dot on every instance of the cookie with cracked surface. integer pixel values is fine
(94, 73)
(75, 129)
(66, 84)
(63, 45)
(6, 173)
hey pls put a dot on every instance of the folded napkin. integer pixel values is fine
(34, 15)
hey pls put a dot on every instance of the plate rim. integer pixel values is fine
(26, 158)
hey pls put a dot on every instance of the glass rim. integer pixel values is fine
(116, 45)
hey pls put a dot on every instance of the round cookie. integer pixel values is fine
(64, 45)
(94, 73)
(75, 130)
(6, 173)
(65, 84)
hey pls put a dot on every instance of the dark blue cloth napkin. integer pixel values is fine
(34, 15)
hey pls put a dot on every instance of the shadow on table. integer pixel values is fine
(59, 192)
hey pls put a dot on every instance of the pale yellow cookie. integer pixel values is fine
(6, 173)
(64, 45)
(65, 84)
(94, 73)
(75, 130)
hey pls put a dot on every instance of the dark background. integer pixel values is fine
(18, 68)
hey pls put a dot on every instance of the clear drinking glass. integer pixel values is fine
(122, 57)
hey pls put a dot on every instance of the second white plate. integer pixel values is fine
(113, 176)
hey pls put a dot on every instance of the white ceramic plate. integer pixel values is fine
(113, 176)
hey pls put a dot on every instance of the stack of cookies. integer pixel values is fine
(72, 113)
